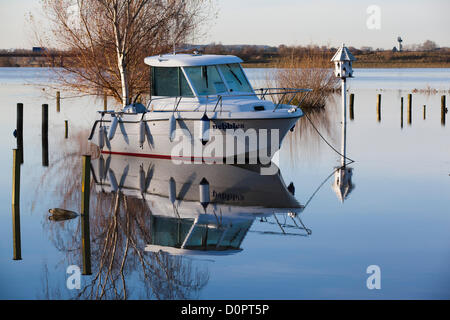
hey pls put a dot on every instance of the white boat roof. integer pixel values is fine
(190, 60)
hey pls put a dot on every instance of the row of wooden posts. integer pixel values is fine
(444, 109)
(15, 201)
(19, 127)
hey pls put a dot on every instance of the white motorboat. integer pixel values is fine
(202, 107)
(201, 208)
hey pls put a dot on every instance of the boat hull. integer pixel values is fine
(251, 140)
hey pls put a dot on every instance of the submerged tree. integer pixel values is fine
(106, 41)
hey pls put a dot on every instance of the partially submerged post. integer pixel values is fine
(66, 129)
(352, 100)
(401, 113)
(409, 108)
(58, 101)
(19, 132)
(443, 110)
(424, 112)
(45, 135)
(343, 69)
(85, 230)
(379, 108)
(17, 248)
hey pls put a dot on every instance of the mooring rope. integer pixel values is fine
(323, 138)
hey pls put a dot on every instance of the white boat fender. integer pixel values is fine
(204, 129)
(172, 127)
(113, 181)
(112, 129)
(204, 193)
(172, 191)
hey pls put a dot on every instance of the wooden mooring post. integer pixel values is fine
(19, 132)
(66, 129)
(45, 135)
(424, 112)
(401, 112)
(379, 108)
(409, 108)
(17, 248)
(58, 101)
(85, 230)
(105, 102)
(443, 110)
(352, 100)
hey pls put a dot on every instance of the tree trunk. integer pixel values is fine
(124, 79)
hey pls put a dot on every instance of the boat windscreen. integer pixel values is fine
(205, 80)
(235, 78)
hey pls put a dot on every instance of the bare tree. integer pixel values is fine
(106, 41)
(428, 45)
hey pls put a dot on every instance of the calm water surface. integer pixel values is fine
(393, 212)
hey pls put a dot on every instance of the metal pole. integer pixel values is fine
(344, 121)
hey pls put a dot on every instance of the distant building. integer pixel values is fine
(38, 49)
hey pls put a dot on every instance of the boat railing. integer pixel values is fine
(295, 227)
(261, 93)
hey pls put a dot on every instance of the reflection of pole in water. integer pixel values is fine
(17, 248)
(45, 135)
(85, 230)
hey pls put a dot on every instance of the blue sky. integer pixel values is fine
(291, 22)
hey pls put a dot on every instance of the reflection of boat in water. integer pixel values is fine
(200, 208)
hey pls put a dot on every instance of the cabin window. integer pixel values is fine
(206, 80)
(235, 78)
(170, 82)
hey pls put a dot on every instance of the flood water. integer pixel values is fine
(391, 209)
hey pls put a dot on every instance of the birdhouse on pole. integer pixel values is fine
(343, 63)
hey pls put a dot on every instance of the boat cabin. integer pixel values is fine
(197, 75)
